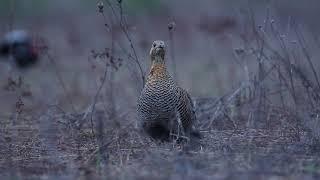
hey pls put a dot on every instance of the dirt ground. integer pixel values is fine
(65, 148)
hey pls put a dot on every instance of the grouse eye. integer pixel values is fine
(154, 45)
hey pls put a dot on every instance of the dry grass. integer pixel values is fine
(61, 145)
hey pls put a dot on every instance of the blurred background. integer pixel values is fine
(204, 38)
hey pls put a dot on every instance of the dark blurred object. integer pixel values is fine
(19, 45)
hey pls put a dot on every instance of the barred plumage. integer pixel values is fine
(163, 107)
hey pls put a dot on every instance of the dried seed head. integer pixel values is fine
(19, 105)
(171, 26)
(100, 6)
(239, 51)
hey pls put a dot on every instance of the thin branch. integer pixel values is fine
(60, 79)
(171, 28)
(123, 26)
(96, 99)
(301, 41)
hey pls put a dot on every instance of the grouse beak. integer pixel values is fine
(160, 49)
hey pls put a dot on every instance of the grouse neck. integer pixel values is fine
(157, 60)
(158, 70)
(159, 67)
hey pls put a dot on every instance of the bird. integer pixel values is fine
(19, 45)
(164, 109)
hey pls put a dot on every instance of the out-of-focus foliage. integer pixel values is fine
(23, 8)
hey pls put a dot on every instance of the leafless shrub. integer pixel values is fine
(117, 17)
(281, 83)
